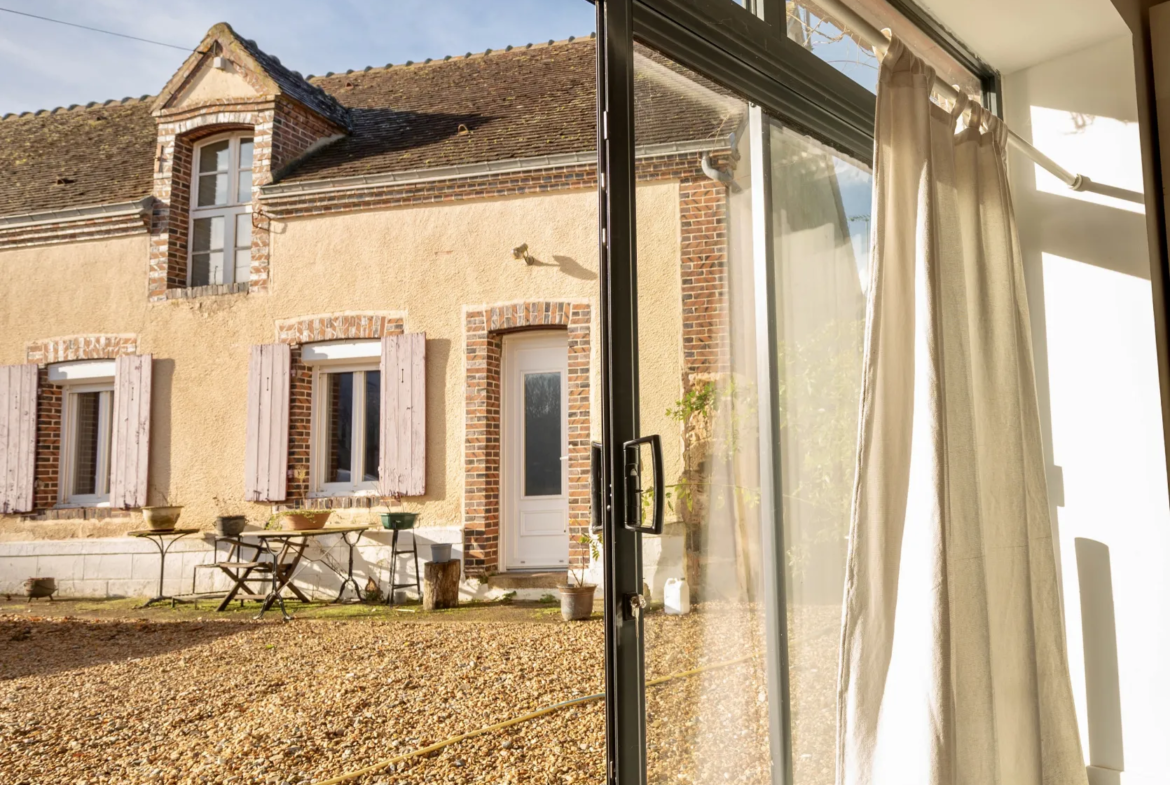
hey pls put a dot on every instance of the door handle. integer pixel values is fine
(634, 490)
(597, 494)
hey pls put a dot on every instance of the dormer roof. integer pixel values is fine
(270, 76)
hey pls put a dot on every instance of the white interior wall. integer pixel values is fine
(1087, 268)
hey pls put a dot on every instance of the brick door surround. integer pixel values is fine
(484, 330)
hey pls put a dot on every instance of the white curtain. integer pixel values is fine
(953, 669)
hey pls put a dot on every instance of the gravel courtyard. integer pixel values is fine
(188, 697)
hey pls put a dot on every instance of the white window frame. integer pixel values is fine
(69, 393)
(236, 205)
(319, 429)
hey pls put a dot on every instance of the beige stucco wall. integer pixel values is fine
(211, 84)
(429, 262)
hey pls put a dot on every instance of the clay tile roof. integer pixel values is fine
(296, 86)
(103, 154)
(519, 103)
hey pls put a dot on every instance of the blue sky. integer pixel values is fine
(45, 65)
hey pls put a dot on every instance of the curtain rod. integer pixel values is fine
(877, 39)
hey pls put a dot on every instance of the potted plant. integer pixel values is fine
(162, 518)
(397, 520)
(300, 519)
(577, 598)
(228, 525)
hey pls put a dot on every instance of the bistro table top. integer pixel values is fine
(276, 533)
(151, 532)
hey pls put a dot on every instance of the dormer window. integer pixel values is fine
(221, 212)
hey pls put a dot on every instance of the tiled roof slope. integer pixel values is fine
(516, 104)
(294, 85)
(522, 103)
(76, 157)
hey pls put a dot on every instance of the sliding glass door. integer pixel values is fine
(735, 249)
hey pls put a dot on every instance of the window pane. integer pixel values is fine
(86, 440)
(339, 427)
(373, 427)
(245, 154)
(832, 41)
(847, 53)
(243, 269)
(214, 157)
(542, 434)
(207, 268)
(207, 251)
(243, 241)
(212, 190)
(244, 187)
(207, 234)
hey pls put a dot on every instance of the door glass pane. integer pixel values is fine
(820, 236)
(747, 517)
(373, 425)
(708, 720)
(86, 442)
(338, 422)
(542, 434)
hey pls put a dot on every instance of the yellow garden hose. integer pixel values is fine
(508, 723)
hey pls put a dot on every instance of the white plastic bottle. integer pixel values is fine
(676, 597)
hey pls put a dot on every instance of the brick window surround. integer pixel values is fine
(484, 329)
(49, 401)
(282, 131)
(311, 329)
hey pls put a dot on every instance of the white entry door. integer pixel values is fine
(535, 479)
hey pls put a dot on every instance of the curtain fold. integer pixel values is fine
(953, 668)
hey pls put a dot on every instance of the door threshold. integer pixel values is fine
(549, 578)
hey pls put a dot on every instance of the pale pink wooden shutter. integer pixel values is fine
(18, 436)
(131, 438)
(404, 413)
(266, 454)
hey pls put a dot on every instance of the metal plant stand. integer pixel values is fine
(394, 554)
(164, 541)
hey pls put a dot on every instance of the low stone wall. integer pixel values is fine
(128, 567)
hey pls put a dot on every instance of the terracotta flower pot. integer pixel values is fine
(161, 519)
(576, 602)
(302, 520)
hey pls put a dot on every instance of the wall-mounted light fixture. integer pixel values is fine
(521, 252)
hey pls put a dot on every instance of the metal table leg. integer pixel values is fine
(163, 549)
(349, 580)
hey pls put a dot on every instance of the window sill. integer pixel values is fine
(357, 501)
(76, 514)
(214, 290)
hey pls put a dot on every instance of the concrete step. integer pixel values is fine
(512, 581)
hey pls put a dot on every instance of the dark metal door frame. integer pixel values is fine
(748, 52)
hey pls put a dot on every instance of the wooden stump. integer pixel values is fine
(441, 585)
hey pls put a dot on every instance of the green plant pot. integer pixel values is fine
(399, 520)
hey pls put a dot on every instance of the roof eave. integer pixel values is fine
(72, 214)
(508, 166)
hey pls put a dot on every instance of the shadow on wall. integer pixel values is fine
(438, 355)
(161, 393)
(567, 264)
(1102, 674)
